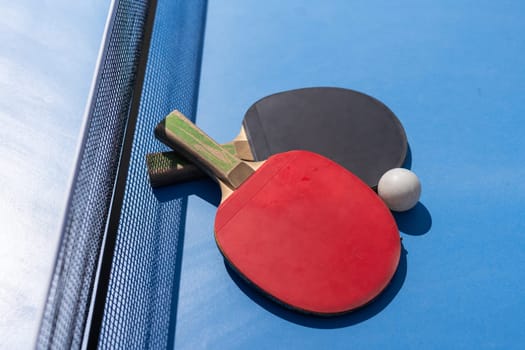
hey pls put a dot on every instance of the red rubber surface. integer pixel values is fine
(310, 234)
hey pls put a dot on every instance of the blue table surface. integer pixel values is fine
(453, 73)
(47, 59)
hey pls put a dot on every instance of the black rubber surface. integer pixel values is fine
(351, 128)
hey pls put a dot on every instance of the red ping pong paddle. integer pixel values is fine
(353, 129)
(298, 226)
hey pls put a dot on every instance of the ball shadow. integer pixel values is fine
(416, 221)
(360, 315)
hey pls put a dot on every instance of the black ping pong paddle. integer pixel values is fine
(351, 128)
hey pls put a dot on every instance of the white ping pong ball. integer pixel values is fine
(399, 188)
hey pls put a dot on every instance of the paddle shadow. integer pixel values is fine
(205, 189)
(407, 164)
(360, 315)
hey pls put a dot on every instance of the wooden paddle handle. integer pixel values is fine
(168, 168)
(186, 138)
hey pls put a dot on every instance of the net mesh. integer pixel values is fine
(141, 298)
(69, 295)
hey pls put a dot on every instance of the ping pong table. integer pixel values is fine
(138, 267)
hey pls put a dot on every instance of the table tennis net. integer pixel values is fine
(138, 304)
